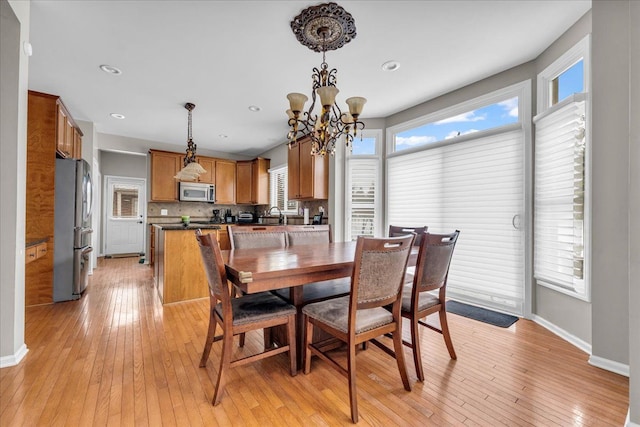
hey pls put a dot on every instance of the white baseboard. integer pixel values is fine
(599, 362)
(609, 365)
(14, 359)
(582, 345)
(627, 421)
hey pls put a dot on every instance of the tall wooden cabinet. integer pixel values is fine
(308, 175)
(51, 133)
(252, 181)
(164, 166)
(225, 182)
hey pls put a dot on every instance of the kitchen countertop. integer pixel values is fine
(35, 242)
(191, 226)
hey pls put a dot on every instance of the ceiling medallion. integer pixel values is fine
(324, 27)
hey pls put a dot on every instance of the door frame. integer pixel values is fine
(106, 180)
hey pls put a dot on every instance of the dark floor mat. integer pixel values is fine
(481, 314)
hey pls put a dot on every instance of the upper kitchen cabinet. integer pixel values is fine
(50, 114)
(225, 171)
(308, 175)
(252, 181)
(209, 164)
(164, 166)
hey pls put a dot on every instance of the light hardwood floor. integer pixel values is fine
(118, 357)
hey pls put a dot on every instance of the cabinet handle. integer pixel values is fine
(32, 255)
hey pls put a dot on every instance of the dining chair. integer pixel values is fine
(256, 237)
(239, 315)
(376, 281)
(308, 234)
(253, 237)
(418, 297)
(395, 230)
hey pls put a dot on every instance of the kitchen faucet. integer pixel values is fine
(280, 217)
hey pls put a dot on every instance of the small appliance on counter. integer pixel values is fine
(245, 217)
(228, 218)
(216, 217)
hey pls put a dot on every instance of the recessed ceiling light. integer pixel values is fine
(117, 116)
(390, 65)
(254, 108)
(110, 69)
(223, 136)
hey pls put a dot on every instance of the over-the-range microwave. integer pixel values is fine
(197, 192)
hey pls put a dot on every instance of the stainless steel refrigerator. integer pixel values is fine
(72, 234)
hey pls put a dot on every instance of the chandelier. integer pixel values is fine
(323, 27)
(192, 169)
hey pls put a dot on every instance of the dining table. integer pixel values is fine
(268, 269)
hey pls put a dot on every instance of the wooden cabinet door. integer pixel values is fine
(209, 165)
(164, 166)
(223, 238)
(61, 129)
(244, 182)
(306, 171)
(225, 182)
(68, 138)
(77, 144)
(260, 181)
(293, 170)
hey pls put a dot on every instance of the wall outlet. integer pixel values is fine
(164, 212)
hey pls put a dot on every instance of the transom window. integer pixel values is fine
(487, 117)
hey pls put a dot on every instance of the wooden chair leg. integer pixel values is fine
(351, 372)
(445, 333)
(415, 346)
(241, 344)
(399, 350)
(291, 332)
(308, 334)
(211, 333)
(225, 361)
(268, 343)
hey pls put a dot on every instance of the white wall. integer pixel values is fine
(14, 30)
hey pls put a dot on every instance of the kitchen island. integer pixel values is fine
(178, 271)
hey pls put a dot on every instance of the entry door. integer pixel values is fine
(124, 230)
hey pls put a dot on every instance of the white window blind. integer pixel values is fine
(278, 181)
(559, 197)
(363, 188)
(477, 187)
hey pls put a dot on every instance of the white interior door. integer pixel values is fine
(124, 228)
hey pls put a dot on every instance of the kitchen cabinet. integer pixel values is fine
(223, 238)
(34, 252)
(68, 135)
(308, 175)
(152, 245)
(252, 182)
(225, 182)
(209, 164)
(164, 166)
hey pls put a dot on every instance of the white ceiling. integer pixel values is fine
(227, 55)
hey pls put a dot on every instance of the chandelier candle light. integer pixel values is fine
(324, 27)
(192, 169)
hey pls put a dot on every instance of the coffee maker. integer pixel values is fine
(216, 217)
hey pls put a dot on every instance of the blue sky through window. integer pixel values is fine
(491, 116)
(366, 146)
(571, 81)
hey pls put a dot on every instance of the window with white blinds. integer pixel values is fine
(475, 186)
(278, 194)
(559, 190)
(362, 196)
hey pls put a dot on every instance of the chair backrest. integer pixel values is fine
(214, 269)
(434, 259)
(250, 237)
(395, 230)
(308, 234)
(378, 271)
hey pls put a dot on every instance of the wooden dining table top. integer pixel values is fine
(258, 270)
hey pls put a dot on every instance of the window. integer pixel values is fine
(487, 117)
(278, 194)
(363, 187)
(475, 184)
(561, 193)
(125, 201)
